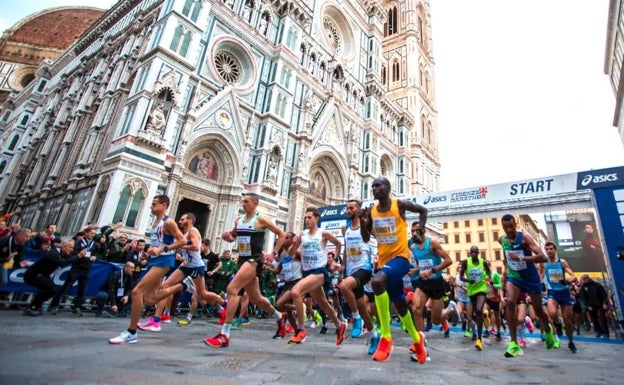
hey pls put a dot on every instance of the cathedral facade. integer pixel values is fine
(301, 102)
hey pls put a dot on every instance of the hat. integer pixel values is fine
(104, 229)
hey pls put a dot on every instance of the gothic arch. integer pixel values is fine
(210, 158)
(327, 181)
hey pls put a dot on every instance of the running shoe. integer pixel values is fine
(559, 326)
(290, 329)
(372, 347)
(245, 321)
(149, 325)
(428, 326)
(384, 348)
(124, 338)
(299, 337)
(323, 330)
(357, 331)
(77, 312)
(184, 322)
(446, 328)
(522, 344)
(549, 338)
(478, 345)
(513, 350)
(281, 327)
(572, 347)
(165, 318)
(529, 324)
(499, 338)
(340, 333)
(190, 285)
(486, 319)
(467, 334)
(218, 341)
(222, 314)
(419, 349)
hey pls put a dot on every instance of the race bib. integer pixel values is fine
(555, 275)
(516, 265)
(475, 274)
(385, 230)
(244, 246)
(425, 264)
(120, 292)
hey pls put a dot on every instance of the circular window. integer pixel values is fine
(228, 67)
(333, 34)
(231, 63)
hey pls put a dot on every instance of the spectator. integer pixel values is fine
(6, 217)
(11, 253)
(82, 259)
(138, 256)
(38, 274)
(224, 274)
(49, 233)
(100, 247)
(4, 229)
(596, 300)
(119, 250)
(211, 260)
(118, 290)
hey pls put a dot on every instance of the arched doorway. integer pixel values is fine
(201, 211)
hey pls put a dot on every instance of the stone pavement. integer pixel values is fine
(71, 350)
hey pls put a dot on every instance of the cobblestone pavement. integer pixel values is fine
(65, 349)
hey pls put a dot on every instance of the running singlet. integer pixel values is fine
(492, 290)
(390, 230)
(159, 239)
(521, 270)
(313, 253)
(358, 252)
(193, 257)
(426, 259)
(555, 273)
(476, 272)
(250, 241)
(291, 268)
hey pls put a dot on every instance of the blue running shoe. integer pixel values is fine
(356, 332)
(372, 347)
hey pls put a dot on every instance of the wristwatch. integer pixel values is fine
(166, 248)
(434, 270)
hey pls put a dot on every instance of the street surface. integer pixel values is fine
(70, 350)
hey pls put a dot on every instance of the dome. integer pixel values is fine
(54, 28)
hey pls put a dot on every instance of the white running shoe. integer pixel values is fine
(190, 285)
(124, 338)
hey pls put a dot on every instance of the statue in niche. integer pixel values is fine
(156, 120)
(247, 11)
(272, 171)
(264, 25)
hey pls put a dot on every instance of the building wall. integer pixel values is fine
(614, 55)
(203, 100)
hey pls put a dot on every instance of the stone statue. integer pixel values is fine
(264, 25)
(156, 120)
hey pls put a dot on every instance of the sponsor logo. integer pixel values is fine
(595, 179)
(434, 199)
(334, 210)
(470, 195)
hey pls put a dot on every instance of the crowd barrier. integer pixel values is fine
(100, 270)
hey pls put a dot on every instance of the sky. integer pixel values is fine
(520, 87)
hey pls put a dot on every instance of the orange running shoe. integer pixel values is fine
(340, 333)
(299, 337)
(419, 349)
(383, 349)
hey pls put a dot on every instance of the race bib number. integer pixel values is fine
(475, 275)
(385, 230)
(244, 246)
(425, 264)
(353, 251)
(120, 292)
(555, 275)
(516, 265)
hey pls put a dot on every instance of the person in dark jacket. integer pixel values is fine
(118, 290)
(38, 274)
(597, 302)
(82, 260)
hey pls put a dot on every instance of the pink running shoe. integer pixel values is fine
(149, 325)
(529, 324)
(522, 344)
